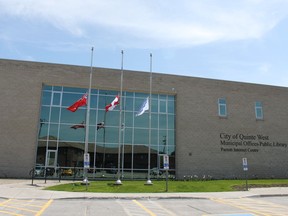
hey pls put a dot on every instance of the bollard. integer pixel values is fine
(74, 174)
(32, 176)
(45, 175)
(60, 174)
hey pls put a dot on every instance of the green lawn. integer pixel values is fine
(173, 186)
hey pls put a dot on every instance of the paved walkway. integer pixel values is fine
(23, 189)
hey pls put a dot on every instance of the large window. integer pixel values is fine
(63, 131)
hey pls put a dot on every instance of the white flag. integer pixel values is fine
(144, 107)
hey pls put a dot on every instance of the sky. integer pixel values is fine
(235, 40)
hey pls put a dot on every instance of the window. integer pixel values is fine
(258, 110)
(162, 106)
(222, 109)
(56, 98)
(63, 131)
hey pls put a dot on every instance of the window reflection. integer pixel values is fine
(45, 112)
(53, 131)
(46, 87)
(128, 133)
(171, 107)
(64, 131)
(128, 104)
(141, 136)
(67, 133)
(154, 106)
(128, 119)
(52, 145)
(57, 88)
(162, 121)
(162, 106)
(111, 135)
(112, 118)
(108, 92)
(56, 98)
(70, 117)
(46, 98)
(142, 121)
(43, 130)
(171, 121)
(74, 90)
(141, 95)
(93, 102)
(55, 111)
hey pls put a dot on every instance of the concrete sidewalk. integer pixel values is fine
(23, 189)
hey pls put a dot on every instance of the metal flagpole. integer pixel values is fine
(86, 154)
(95, 143)
(123, 140)
(118, 182)
(104, 138)
(149, 182)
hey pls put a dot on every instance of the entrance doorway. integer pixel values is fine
(51, 161)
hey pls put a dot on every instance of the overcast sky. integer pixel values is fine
(237, 40)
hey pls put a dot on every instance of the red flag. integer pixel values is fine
(113, 104)
(81, 102)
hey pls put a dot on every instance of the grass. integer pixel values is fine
(173, 186)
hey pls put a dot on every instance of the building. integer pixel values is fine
(206, 126)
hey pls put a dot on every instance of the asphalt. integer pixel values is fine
(23, 189)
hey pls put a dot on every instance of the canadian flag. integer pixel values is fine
(81, 102)
(113, 104)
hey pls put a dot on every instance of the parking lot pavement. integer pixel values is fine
(23, 189)
(20, 197)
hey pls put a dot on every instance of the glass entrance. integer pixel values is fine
(64, 131)
(51, 158)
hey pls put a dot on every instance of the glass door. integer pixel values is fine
(51, 160)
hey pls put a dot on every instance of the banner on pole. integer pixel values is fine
(166, 162)
(245, 164)
(86, 160)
